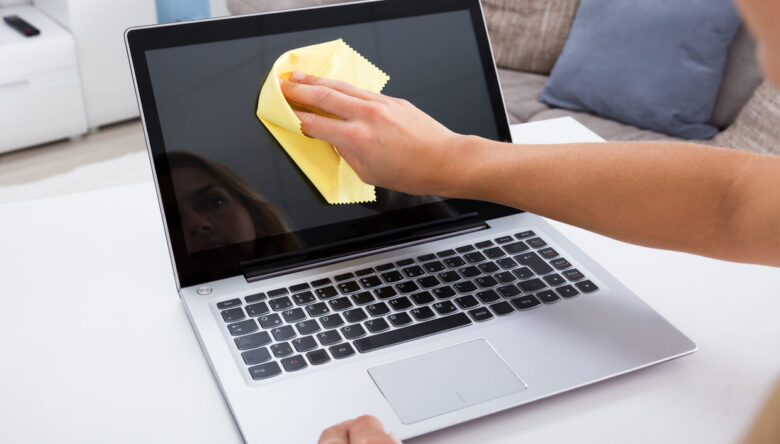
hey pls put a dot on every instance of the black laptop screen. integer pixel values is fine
(230, 192)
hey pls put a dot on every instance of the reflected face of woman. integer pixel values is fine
(211, 216)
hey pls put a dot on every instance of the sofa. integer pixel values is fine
(528, 36)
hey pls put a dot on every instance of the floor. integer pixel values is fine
(40, 162)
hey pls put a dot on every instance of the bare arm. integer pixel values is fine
(709, 201)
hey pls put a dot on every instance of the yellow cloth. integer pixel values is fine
(326, 169)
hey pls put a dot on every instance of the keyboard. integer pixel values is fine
(359, 311)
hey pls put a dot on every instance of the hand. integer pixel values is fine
(363, 430)
(387, 141)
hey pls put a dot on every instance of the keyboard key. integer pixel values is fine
(378, 309)
(548, 253)
(326, 292)
(355, 315)
(548, 297)
(304, 298)
(560, 263)
(340, 304)
(505, 277)
(454, 262)
(413, 272)
(341, 351)
(385, 292)
(586, 286)
(434, 267)
(376, 325)
(283, 333)
(488, 296)
(484, 244)
(307, 327)
(397, 336)
(329, 337)
(534, 262)
(281, 350)
(475, 257)
(371, 282)
(422, 313)
(254, 298)
(343, 277)
(465, 249)
(353, 331)
(504, 239)
(399, 319)
(317, 309)
(506, 263)
(486, 281)
(466, 301)
(320, 282)
(446, 253)
(294, 315)
(392, 276)
(531, 285)
(229, 304)
(465, 287)
(470, 272)
(508, 291)
(399, 304)
(554, 280)
(331, 321)
(494, 253)
(516, 247)
(567, 291)
(243, 327)
(444, 307)
(277, 292)
(428, 282)
(523, 273)
(405, 262)
(480, 314)
(426, 257)
(299, 287)
(449, 276)
(280, 304)
(424, 297)
(407, 287)
(364, 272)
(305, 343)
(525, 302)
(318, 357)
(294, 363)
(525, 234)
(254, 340)
(443, 292)
(536, 242)
(488, 267)
(502, 308)
(264, 371)
(385, 267)
(573, 275)
(363, 298)
(233, 314)
(348, 287)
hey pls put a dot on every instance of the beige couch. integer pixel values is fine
(528, 36)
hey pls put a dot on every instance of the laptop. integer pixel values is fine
(423, 311)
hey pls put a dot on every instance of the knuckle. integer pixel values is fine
(321, 93)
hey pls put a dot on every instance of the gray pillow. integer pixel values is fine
(655, 64)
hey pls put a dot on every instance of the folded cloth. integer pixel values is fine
(319, 160)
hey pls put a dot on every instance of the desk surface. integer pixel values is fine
(96, 347)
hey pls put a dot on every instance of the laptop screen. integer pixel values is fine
(230, 192)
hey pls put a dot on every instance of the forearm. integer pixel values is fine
(665, 195)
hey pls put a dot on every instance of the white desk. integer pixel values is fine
(96, 348)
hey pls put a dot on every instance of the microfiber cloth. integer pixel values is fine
(319, 160)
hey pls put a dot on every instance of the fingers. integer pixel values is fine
(321, 127)
(338, 434)
(322, 98)
(344, 87)
(369, 429)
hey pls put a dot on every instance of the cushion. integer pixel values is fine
(528, 35)
(757, 128)
(655, 64)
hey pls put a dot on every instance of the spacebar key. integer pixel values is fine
(412, 332)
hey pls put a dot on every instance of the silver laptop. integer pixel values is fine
(423, 311)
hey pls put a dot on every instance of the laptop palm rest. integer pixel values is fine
(445, 380)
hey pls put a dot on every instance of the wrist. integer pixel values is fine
(464, 172)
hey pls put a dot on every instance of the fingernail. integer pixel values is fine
(281, 81)
(297, 76)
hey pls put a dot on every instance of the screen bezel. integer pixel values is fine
(197, 268)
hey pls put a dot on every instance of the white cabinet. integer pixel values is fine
(40, 92)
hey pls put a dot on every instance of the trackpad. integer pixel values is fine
(445, 380)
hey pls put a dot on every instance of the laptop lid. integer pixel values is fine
(232, 200)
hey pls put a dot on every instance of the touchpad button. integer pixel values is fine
(445, 380)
